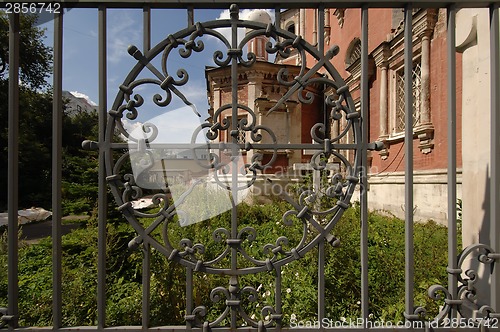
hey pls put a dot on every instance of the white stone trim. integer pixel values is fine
(435, 176)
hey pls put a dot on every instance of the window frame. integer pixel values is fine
(397, 74)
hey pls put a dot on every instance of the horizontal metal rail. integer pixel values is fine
(353, 328)
(253, 146)
(217, 4)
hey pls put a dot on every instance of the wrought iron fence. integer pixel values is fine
(232, 152)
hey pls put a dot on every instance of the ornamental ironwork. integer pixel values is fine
(224, 170)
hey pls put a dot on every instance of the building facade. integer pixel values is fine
(259, 88)
(258, 91)
(78, 102)
(386, 99)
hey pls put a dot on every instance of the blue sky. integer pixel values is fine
(80, 57)
(175, 122)
(124, 29)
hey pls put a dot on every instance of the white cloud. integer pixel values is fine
(244, 14)
(176, 126)
(177, 168)
(123, 30)
(194, 92)
(130, 126)
(84, 96)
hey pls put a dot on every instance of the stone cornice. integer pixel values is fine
(263, 104)
(355, 70)
(424, 22)
(381, 54)
(264, 72)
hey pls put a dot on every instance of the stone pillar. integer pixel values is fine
(315, 27)
(335, 128)
(327, 27)
(255, 79)
(383, 102)
(425, 116)
(301, 32)
(302, 23)
(472, 40)
(381, 56)
(424, 128)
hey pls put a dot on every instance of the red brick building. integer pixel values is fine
(258, 89)
(386, 98)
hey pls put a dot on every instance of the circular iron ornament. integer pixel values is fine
(126, 188)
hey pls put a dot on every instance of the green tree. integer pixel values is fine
(35, 59)
(80, 168)
(35, 107)
(34, 147)
(35, 129)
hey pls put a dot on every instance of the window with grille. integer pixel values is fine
(241, 137)
(400, 96)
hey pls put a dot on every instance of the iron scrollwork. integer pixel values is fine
(467, 290)
(6, 319)
(223, 159)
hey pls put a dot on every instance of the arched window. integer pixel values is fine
(353, 52)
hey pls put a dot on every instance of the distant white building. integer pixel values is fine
(77, 102)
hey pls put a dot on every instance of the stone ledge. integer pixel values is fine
(420, 177)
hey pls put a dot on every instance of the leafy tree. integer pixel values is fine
(35, 129)
(34, 146)
(35, 59)
(80, 168)
(35, 108)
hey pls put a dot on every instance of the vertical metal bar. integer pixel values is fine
(102, 205)
(277, 298)
(146, 249)
(321, 24)
(321, 245)
(495, 150)
(146, 284)
(234, 126)
(321, 47)
(408, 67)
(452, 158)
(277, 19)
(321, 280)
(315, 26)
(146, 20)
(57, 111)
(277, 16)
(13, 168)
(189, 295)
(234, 10)
(364, 163)
(190, 16)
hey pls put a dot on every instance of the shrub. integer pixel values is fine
(299, 278)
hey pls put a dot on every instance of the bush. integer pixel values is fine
(299, 278)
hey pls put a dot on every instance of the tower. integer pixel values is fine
(257, 45)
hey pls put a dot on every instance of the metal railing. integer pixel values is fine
(109, 169)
